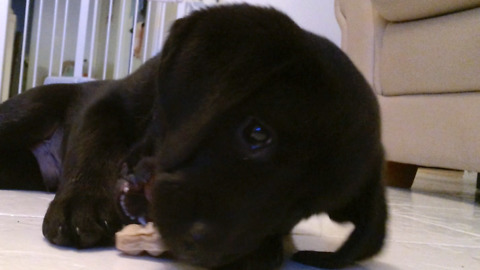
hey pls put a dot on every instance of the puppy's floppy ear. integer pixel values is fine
(172, 49)
(178, 34)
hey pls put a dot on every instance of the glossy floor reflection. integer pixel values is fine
(436, 225)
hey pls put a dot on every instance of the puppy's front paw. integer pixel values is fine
(327, 260)
(81, 219)
(268, 256)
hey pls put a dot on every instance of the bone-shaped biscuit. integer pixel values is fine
(134, 239)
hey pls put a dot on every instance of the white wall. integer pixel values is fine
(317, 16)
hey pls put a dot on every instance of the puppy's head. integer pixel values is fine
(264, 124)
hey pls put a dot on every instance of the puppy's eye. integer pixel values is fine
(256, 135)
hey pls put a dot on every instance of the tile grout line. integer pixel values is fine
(438, 225)
(19, 215)
(435, 244)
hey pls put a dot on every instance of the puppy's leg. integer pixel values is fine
(84, 211)
(19, 170)
(268, 256)
(25, 121)
(368, 213)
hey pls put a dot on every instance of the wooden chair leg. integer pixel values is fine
(400, 174)
(478, 180)
(477, 194)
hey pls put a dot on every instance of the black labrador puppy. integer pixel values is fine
(243, 125)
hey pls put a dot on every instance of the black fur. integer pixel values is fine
(246, 123)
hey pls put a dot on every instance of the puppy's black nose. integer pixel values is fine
(198, 231)
(195, 236)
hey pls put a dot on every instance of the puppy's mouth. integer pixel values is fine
(133, 198)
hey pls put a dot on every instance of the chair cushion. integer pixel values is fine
(405, 10)
(430, 56)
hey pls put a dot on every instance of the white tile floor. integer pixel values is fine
(434, 226)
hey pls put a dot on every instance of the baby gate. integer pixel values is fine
(69, 41)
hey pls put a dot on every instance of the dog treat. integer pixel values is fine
(134, 239)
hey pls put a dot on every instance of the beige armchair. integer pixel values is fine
(422, 58)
